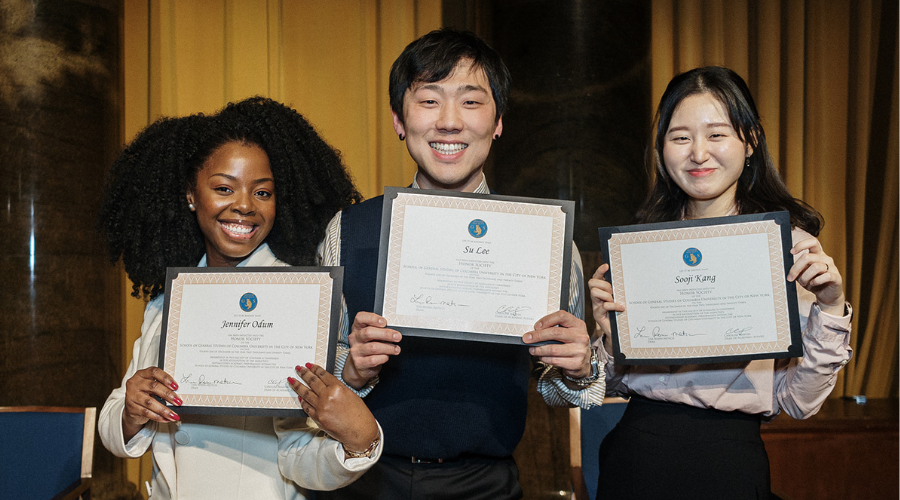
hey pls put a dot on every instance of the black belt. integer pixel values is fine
(434, 460)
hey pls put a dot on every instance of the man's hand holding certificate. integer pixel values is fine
(472, 266)
(707, 290)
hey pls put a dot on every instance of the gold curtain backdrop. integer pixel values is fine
(824, 77)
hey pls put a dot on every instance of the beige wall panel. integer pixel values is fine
(713, 17)
(396, 31)
(792, 137)
(275, 53)
(662, 48)
(768, 76)
(195, 40)
(826, 120)
(736, 38)
(324, 65)
(135, 116)
(860, 128)
(689, 39)
(368, 182)
(246, 55)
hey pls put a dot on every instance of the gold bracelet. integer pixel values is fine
(365, 453)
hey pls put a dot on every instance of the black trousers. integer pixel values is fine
(675, 451)
(394, 478)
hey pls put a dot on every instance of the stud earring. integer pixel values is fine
(401, 136)
(191, 207)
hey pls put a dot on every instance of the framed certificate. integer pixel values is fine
(232, 336)
(469, 266)
(703, 291)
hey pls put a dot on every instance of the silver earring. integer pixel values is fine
(191, 207)
(747, 162)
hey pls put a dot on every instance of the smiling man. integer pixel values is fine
(452, 411)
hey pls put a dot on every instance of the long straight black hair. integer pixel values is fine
(759, 188)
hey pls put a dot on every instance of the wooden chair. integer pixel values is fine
(587, 428)
(46, 452)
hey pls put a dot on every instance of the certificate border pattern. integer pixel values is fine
(392, 272)
(779, 290)
(322, 279)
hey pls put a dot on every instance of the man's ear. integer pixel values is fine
(498, 130)
(398, 125)
(189, 195)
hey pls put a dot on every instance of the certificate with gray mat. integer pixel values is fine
(232, 336)
(703, 291)
(469, 266)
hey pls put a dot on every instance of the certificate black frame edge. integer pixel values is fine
(391, 192)
(336, 273)
(782, 218)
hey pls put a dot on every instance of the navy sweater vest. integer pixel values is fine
(438, 398)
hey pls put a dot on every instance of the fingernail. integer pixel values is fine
(527, 337)
(292, 380)
(298, 368)
(178, 401)
(309, 366)
(174, 417)
(299, 399)
(531, 350)
(380, 322)
(396, 350)
(537, 325)
(174, 386)
(396, 336)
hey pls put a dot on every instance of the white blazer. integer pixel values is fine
(211, 456)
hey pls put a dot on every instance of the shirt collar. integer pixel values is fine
(481, 189)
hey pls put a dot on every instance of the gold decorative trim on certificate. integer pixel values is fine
(481, 267)
(703, 291)
(232, 336)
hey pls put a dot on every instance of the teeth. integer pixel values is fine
(447, 149)
(238, 228)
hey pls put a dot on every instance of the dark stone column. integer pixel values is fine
(59, 132)
(580, 109)
(576, 129)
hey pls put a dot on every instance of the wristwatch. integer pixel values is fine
(590, 379)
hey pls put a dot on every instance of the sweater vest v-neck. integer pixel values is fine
(438, 398)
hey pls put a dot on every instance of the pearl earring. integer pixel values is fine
(191, 207)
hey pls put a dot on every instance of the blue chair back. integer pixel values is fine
(46, 452)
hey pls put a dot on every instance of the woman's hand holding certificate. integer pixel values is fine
(815, 271)
(334, 407)
(707, 290)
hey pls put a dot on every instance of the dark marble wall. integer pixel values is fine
(60, 297)
(576, 129)
(580, 110)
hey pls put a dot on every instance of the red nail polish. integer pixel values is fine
(299, 399)
(298, 368)
(174, 386)
(309, 366)
(175, 417)
(292, 380)
(178, 401)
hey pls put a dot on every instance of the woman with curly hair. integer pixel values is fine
(253, 185)
(692, 431)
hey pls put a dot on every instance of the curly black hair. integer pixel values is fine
(144, 215)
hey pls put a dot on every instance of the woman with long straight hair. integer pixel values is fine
(692, 431)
